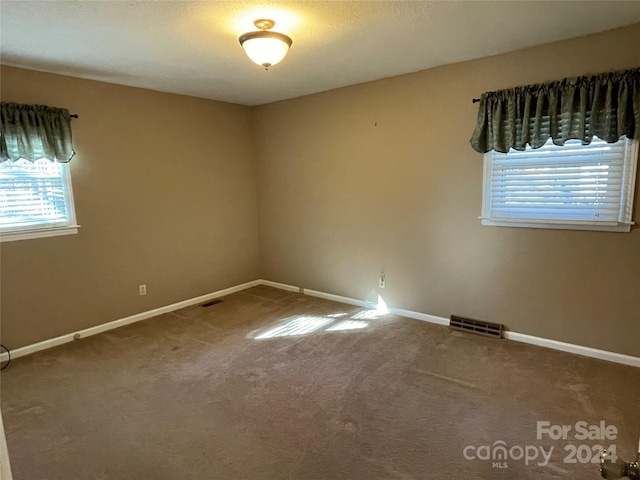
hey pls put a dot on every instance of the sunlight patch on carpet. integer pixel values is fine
(331, 322)
(348, 325)
(299, 325)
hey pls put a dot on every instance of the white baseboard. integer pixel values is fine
(335, 298)
(572, 348)
(514, 336)
(419, 316)
(87, 332)
(5, 466)
(281, 286)
(362, 303)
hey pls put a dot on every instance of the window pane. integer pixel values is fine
(575, 183)
(33, 195)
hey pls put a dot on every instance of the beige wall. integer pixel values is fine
(165, 193)
(380, 176)
(374, 177)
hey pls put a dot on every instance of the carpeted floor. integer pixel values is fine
(275, 385)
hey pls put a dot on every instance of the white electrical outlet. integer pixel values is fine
(143, 290)
(382, 283)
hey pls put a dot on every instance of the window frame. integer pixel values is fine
(627, 183)
(42, 230)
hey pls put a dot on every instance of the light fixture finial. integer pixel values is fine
(264, 47)
(264, 24)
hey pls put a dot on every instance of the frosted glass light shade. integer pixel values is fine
(265, 48)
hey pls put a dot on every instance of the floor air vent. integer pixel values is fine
(476, 326)
(211, 302)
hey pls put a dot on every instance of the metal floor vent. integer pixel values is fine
(476, 326)
(211, 302)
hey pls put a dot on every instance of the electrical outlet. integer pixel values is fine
(143, 290)
(382, 283)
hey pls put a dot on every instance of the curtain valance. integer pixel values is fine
(605, 105)
(35, 131)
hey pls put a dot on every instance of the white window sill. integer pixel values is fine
(40, 233)
(560, 225)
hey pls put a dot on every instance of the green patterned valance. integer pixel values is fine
(33, 132)
(605, 105)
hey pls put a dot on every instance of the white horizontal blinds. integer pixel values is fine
(575, 182)
(32, 195)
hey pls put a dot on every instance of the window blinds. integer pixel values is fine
(33, 195)
(575, 182)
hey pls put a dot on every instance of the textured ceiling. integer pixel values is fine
(192, 47)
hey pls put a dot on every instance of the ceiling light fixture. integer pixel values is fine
(264, 47)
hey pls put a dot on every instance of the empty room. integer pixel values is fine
(319, 240)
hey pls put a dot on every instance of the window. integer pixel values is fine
(35, 200)
(575, 186)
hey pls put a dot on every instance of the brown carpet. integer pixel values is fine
(213, 393)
